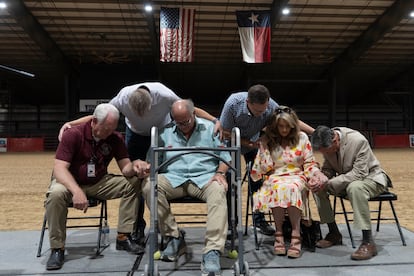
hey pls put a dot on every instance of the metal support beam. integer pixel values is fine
(154, 36)
(29, 23)
(391, 17)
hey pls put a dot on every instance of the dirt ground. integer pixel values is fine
(25, 178)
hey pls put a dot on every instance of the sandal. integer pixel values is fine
(279, 246)
(294, 250)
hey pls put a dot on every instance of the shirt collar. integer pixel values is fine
(246, 110)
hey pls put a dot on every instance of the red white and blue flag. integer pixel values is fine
(176, 34)
(254, 30)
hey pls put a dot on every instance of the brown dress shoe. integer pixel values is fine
(366, 251)
(330, 240)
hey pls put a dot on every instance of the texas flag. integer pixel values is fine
(254, 30)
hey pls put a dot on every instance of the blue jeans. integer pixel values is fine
(138, 146)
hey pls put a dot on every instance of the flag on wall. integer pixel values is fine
(254, 31)
(176, 34)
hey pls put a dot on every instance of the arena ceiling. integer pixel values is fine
(368, 44)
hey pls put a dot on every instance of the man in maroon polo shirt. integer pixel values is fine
(80, 170)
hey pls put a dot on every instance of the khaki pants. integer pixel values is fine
(213, 194)
(358, 193)
(109, 187)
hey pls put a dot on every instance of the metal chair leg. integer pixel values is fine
(398, 224)
(347, 223)
(42, 234)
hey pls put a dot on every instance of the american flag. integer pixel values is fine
(255, 31)
(176, 34)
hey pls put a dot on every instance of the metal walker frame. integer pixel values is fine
(240, 267)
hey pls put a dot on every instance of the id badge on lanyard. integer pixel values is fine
(91, 169)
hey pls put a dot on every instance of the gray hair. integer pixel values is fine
(102, 110)
(189, 104)
(322, 137)
(140, 100)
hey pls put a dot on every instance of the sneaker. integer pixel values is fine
(174, 249)
(211, 263)
(56, 259)
(265, 228)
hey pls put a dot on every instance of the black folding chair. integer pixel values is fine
(102, 217)
(386, 196)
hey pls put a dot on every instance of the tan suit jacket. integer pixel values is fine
(354, 161)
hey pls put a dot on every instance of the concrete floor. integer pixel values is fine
(18, 256)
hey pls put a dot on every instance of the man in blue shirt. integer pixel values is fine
(197, 175)
(250, 111)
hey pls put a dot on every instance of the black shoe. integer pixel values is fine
(265, 228)
(56, 259)
(129, 245)
(139, 237)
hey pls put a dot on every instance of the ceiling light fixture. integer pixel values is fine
(412, 14)
(3, 5)
(148, 8)
(285, 11)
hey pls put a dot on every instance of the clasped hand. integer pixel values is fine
(317, 182)
(141, 168)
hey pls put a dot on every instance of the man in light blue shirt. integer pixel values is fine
(197, 175)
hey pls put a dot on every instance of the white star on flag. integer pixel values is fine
(255, 35)
(254, 18)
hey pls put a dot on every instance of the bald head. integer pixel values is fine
(182, 112)
(182, 108)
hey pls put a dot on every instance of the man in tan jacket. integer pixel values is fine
(352, 170)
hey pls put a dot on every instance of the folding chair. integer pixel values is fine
(93, 202)
(199, 218)
(249, 206)
(386, 196)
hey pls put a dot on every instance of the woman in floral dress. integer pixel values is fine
(286, 162)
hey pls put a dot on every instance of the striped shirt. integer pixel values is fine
(236, 114)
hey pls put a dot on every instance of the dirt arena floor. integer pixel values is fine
(25, 178)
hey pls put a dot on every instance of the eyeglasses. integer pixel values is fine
(184, 123)
(285, 109)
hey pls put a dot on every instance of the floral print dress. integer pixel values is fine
(285, 172)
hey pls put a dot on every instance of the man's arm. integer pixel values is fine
(63, 176)
(138, 167)
(204, 114)
(306, 128)
(358, 151)
(73, 123)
